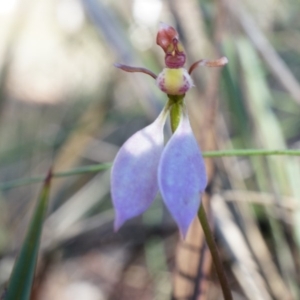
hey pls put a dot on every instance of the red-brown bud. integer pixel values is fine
(167, 38)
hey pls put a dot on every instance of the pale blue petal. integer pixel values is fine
(182, 176)
(134, 172)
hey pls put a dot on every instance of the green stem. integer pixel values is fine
(176, 104)
(251, 152)
(77, 171)
(101, 167)
(175, 113)
(214, 253)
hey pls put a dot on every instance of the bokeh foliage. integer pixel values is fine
(63, 103)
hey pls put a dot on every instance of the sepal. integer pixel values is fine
(134, 172)
(182, 176)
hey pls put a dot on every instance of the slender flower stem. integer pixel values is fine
(175, 103)
(214, 253)
(174, 119)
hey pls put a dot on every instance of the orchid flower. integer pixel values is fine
(143, 166)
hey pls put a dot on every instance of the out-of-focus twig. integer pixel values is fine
(110, 27)
(244, 267)
(248, 225)
(288, 203)
(266, 50)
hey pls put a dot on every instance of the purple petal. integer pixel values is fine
(182, 176)
(134, 172)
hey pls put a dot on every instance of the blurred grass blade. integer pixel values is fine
(19, 287)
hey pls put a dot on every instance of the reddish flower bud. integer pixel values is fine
(167, 38)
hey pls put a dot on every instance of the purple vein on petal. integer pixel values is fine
(182, 176)
(134, 172)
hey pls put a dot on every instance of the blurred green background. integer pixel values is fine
(62, 102)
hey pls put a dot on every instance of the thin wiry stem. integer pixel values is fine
(214, 253)
(251, 152)
(135, 70)
(101, 167)
(77, 171)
